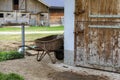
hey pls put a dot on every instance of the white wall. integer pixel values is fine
(14, 17)
(69, 31)
(69, 24)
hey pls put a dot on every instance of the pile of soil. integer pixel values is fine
(75, 76)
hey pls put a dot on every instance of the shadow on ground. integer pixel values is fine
(75, 76)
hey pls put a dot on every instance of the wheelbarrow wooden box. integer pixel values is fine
(48, 44)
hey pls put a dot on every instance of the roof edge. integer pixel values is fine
(43, 3)
(55, 7)
(51, 7)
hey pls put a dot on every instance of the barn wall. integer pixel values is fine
(6, 5)
(56, 16)
(34, 6)
(44, 19)
(14, 17)
(69, 32)
(97, 47)
(33, 19)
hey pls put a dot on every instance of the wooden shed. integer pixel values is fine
(56, 16)
(56, 11)
(96, 34)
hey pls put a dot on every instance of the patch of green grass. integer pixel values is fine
(32, 37)
(5, 38)
(11, 76)
(17, 37)
(33, 28)
(10, 55)
(9, 29)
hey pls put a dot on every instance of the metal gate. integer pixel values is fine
(97, 34)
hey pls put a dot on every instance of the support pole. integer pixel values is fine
(23, 38)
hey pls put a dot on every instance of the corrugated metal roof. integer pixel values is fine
(53, 3)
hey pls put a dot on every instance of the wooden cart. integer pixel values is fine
(46, 45)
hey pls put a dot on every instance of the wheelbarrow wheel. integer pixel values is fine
(59, 54)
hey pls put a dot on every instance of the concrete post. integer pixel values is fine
(69, 32)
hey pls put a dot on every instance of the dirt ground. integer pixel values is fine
(13, 45)
(75, 76)
(30, 69)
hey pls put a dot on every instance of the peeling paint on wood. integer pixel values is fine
(97, 47)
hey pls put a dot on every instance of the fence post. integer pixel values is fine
(23, 38)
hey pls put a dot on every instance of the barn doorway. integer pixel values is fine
(15, 4)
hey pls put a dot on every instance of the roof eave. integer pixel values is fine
(44, 3)
(56, 7)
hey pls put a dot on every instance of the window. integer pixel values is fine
(15, 4)
(9, 15)
(1, 15)
(23, 15)
(104, 8)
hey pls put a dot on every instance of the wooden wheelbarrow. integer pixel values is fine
(46, 45)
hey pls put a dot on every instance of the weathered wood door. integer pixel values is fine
(97, 34)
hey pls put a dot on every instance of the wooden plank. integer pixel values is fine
(104, 16)
(104, 26)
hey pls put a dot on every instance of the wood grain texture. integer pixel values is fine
(97, 47)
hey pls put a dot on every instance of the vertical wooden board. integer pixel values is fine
(108, 56)
(22, 4)
(100, 44)
(80, 54)
(93, 56)
(80, 46)
(118, 53)
(103, 7)
(116, 48)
